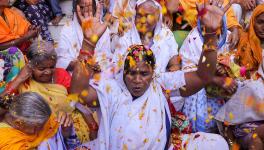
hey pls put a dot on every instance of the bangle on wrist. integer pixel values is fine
(87, 53)
(89, 43)
(210, 47)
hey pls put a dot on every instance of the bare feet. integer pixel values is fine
(57, 19)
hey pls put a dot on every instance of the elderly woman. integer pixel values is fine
(154, 35)
(133, 107)
(14, 29)
(38, 76)
(30, 124)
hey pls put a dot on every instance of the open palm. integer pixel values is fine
(91, 24)
(211, 15)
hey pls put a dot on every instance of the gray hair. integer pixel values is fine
(40, 51)
(30, 107)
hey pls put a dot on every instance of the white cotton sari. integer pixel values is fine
(163, 46)
(144, 122)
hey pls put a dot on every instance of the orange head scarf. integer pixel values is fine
(249, 47)
(12, 139)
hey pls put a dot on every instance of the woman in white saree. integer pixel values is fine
(134, 111)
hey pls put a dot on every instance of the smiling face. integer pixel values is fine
(43, 72)
(138, 78)
(147, 17)
(259, 26)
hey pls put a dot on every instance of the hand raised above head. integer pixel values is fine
(211, 14)
(93, 29)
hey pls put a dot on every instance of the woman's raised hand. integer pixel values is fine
(93, 29)
(211, 14)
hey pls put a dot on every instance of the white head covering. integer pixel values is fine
(163, 41)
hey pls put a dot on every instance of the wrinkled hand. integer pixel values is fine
(32, 32)
(220, 70)
(211, 14)
(25, 73)
(93, 29)
(249, 4)
(228, 84)
(167, 20)
(65, 119)
(224, 60)
(32, 2)
(233, 39)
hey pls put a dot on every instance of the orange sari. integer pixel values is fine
(12, 139)
(249, 48)
(14, 26)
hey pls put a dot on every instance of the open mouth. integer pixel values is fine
(137, 89)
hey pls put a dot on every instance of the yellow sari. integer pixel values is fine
(12, 139)
(56, 97)
(190, 13)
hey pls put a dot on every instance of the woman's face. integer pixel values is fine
(138, 78)
(147, 17)
(259, 26)
(44, 71)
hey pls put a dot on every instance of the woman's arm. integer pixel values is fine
(211, 17)
(32, 32)
(23, 75)
(88, 118)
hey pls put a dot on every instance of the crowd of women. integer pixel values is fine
(132, 74)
